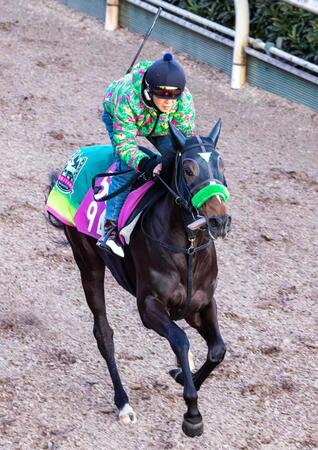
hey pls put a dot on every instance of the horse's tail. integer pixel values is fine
(53, 176)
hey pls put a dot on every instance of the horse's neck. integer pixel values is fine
(168, 221)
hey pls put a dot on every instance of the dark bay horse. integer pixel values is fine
(170, 266)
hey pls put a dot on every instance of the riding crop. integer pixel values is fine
(145, 39)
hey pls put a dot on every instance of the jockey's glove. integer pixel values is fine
(146, 165)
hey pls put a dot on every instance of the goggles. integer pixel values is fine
(166, 92)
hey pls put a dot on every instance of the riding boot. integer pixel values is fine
(109, 241)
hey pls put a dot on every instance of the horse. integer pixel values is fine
(172, 277)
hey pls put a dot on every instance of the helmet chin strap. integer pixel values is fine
(149, 101)
(146, 93)
(145, 88)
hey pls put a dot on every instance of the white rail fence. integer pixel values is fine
(242, 41)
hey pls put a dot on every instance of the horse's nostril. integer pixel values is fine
(213, 222)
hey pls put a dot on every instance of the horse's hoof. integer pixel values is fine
(176, 375)
(127, 415)
(192, 428)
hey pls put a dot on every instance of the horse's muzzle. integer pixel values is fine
(219, 226)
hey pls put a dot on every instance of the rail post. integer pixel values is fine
(112, 15)
(242, 17)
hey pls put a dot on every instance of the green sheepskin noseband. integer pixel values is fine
(210, 191)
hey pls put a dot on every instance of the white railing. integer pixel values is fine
(240, 35)
(310, 5)
(241, 28)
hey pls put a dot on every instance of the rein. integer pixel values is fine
(97, 189)
(189, 252)
(180, 201)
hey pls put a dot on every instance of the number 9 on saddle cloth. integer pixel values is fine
(72, 199)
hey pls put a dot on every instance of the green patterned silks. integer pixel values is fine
(132, 117)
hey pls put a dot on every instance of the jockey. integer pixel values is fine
(142, 103)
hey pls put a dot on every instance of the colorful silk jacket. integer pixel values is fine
(132, 117)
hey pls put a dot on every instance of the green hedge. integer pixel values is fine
(292, 29)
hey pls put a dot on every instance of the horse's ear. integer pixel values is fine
(178, 137)
(214, 135)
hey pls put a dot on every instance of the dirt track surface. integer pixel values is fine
(54, 390)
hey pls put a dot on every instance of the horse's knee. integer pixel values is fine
(216, 353)
(154, 318)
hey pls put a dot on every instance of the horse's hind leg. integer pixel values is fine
(155, 317)
(92, 270)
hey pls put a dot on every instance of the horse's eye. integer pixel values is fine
(191, 168)
(189, 172)
(221, 164)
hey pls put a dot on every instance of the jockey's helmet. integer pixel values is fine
(165, 78)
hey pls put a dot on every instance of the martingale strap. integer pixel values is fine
(189, 252)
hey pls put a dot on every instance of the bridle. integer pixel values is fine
(182, 195)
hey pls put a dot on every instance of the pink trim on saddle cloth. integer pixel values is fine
(130, 204)
(58, 216)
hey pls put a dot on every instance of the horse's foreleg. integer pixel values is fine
(207, 325)
(92, 270)
(155, 317)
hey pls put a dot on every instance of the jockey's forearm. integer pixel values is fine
(130, 154)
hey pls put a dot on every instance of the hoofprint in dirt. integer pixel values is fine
(55, 391)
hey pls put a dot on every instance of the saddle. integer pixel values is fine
(137, 202)
(72, 199)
